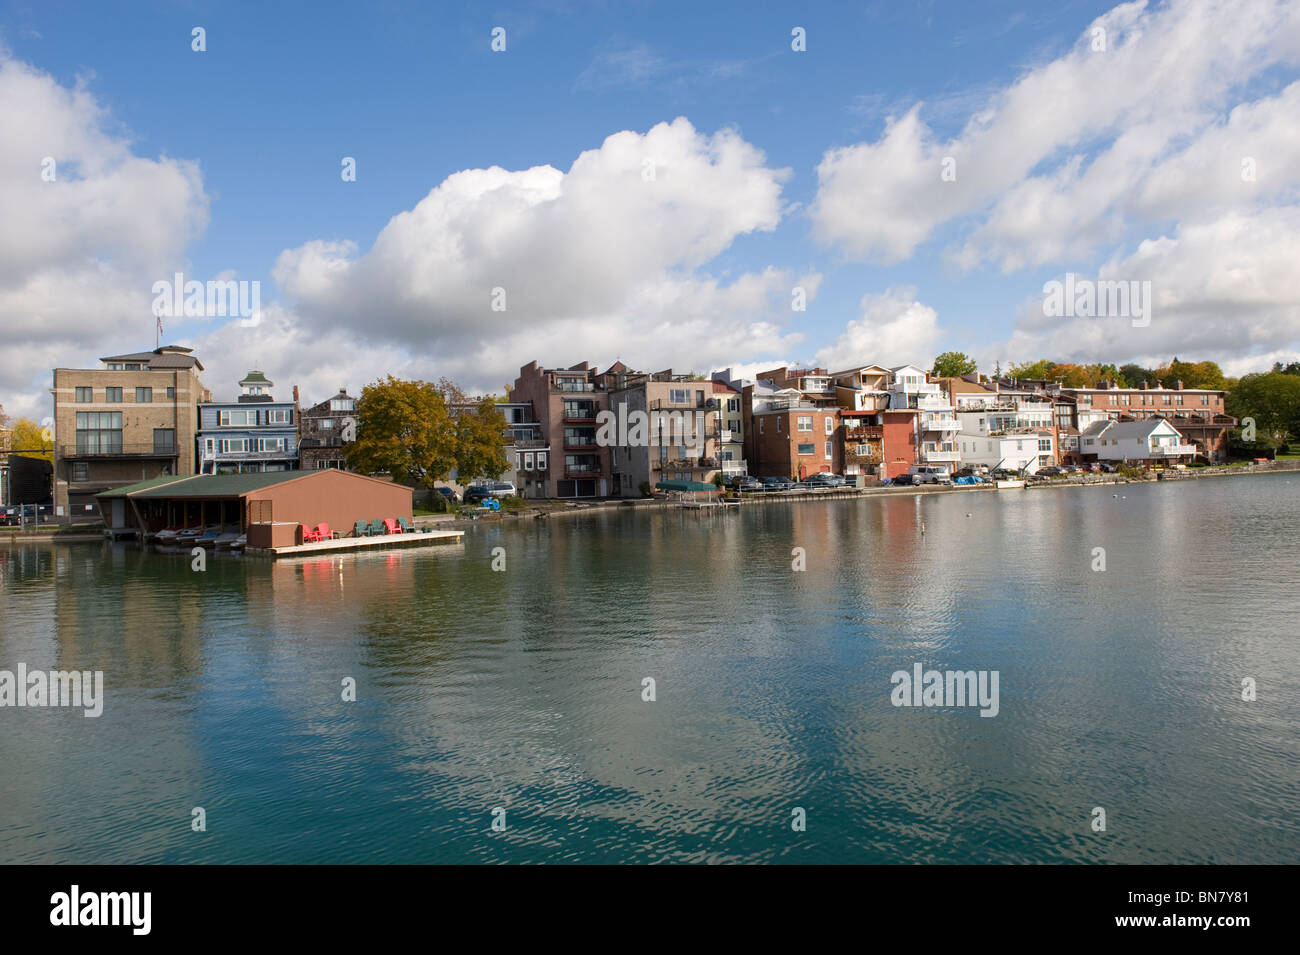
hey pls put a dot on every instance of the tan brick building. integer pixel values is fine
(132, 419)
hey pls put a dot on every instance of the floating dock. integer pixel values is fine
(414, 539)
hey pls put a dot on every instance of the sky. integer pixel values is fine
(653, 182)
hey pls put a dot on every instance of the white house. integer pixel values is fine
(936, 424)
(1150, 441)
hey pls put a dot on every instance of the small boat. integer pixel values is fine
(1009, 485)
(226, 541)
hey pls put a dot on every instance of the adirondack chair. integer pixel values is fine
(309, 535)
(406, 528)
(324, 532)
(390, 526)
(361, 529)
(376, 527)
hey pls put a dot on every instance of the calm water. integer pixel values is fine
(522, 690)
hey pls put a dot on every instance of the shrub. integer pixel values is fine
(512, 503)
(646, 490)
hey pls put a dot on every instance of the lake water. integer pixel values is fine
(521, 689)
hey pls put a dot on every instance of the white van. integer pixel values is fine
(930, 474)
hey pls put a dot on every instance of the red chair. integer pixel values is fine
(309, 536)
(324, 533)
(390, 526)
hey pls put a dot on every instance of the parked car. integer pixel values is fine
(9, 516)
(746, 484)
(448, 493)
(1050, 471)
(776, 484)
(824, 479)
(930, 474)
(477, 493)
(501, 489)
(1108, 468)
(903, 479)
(1094, 467)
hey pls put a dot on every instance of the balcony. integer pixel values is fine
(530, 444)
(940, 455)
(582, 470)
(735, 467)
(870, 432)
(1172, 450)
(579, 444)
(941, 424)
(570, 386)
(665, 404)
(224, 456)
(70, 452)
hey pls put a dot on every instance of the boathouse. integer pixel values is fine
(271, 507)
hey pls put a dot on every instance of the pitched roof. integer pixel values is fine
(254, 376)
(222, 485)
(144, 485)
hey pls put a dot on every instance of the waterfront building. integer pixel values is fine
(1151, 441)
(878, 441)
(1196, 413)
(131, 419)
(325, 431)
(250, 434)
(1001, 426)
(935, 420)
(568, 463)
(685, 435)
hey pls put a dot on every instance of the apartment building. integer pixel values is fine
(935, 420)
(1002, 427)
(878, 441)
(325, 431)
(565, 403)
(1197, 414)
(250, 434)
(685, 436)
(132, 419)
(795, 438)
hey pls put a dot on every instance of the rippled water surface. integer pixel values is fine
(522, 689)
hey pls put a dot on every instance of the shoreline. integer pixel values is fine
(553, 511)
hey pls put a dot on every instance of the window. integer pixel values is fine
(233, 445)
(114, 366)
(99, 432)
(733, 404)
(270, 444)
(144, 395)
(342, 404)
(579, 409)
(829, 447)
(327, 424)
(1113, 399)
(1164, 399)
(760, 425)
(132, 366)
(830, 425)
(541, 460)
(277, 416)
(164, 440)
(679, 396)
(85, 395)
(1124, 399)
(1178, 399)
(806, 449)
(237, 418)
(80, 471)
(528, 461)
(113, 394)
(1044, 444)
(519, 460)
(804, 422)
(1205, 399)
(171, 394)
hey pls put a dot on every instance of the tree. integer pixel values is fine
(1272, 399)
(480, 442)
(953, 364)
(30, 437)
(1032, 369)
(1291, 368)
(1198, 374)
(404, 428)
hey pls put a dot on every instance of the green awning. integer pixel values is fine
(685, 486)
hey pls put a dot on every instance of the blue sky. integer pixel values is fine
(413, 91)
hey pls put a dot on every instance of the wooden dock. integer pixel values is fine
(416, 539)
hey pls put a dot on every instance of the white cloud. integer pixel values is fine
(1049, 169)
(894, 329)
(597, 262)
(79, 254)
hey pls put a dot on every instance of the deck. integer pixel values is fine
(416, 539)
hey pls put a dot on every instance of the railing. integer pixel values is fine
(529, 444)
(581, 470)
(865, 433)
(120, 450)
(574, 387)
(667, 404)
(1172, 450)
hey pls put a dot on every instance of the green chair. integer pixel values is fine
(405, 526)
(377, 527)
(361, 529)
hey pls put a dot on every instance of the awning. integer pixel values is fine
(685, 486)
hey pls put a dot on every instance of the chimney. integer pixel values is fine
(295, 394)
(1179, 384)
(1143, 386)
